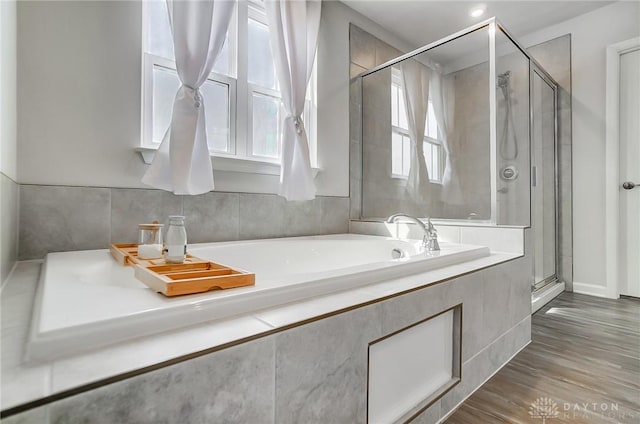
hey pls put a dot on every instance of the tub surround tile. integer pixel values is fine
(261, 216)
(402, 311)
(466, 290)
(334, 217)
(57, 219)
(483, 365)
(32, 416)
(430, 415)
(234, 385)
(212, 217)
(9, 195)
(130, 207)
(117, 359)
(334, 388)
(302, 218)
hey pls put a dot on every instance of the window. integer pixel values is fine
(242, 97)
(401, 142)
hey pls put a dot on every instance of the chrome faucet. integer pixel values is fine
(430, 236)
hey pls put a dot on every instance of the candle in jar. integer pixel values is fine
(149, 251)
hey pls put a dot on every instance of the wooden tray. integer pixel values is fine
(188, 278)
(127, 254)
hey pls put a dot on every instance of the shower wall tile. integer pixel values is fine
(362, 47)
(212, 217)
(58, 218)
(130, 207)
(9, 195)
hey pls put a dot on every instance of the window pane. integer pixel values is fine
(394, 105)
(216, 100)
(165, 86)
(432, 124)
(427, 157)
(403, 111)
(266, 120)
(406, 155)
(396, 154)
(160, 40)
(261, 69)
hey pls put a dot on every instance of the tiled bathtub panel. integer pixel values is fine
(321, 369)
(234, 385)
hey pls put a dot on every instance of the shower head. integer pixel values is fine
(503, 83)
(503, 79)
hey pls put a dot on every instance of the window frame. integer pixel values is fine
(240, 156)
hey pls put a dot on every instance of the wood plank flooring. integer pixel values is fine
(583, 366)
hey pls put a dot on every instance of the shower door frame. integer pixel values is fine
(536, 70)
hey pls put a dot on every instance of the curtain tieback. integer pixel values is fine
(298, 123)
(195, 92)
(197, 99)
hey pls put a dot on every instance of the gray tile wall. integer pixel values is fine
(9, 193)
(317, 372)
(61, 218)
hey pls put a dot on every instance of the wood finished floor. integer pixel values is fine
(584, 357)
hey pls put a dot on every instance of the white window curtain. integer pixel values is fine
(182, 163)
(293, 29)
(415, 80)
(443, 100)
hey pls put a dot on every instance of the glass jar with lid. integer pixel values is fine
(150, 240)
(176, 240)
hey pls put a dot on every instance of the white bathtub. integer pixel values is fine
(87, 300)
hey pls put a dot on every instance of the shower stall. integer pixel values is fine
(464, 131)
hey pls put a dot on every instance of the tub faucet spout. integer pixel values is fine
(430, 235)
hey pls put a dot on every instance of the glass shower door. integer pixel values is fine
(543, 179)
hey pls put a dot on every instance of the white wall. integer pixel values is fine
(590, 33)
(79, 97)
(8, 89)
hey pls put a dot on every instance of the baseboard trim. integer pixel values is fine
(593, 290)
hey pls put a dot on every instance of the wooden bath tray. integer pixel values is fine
(188, 278)
(127, 254)
(195, 275)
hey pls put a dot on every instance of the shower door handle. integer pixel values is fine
(628, 185)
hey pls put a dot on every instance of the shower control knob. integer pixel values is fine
(628, 185)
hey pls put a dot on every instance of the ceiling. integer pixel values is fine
(420, 22)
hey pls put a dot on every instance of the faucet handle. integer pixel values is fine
(431, 240)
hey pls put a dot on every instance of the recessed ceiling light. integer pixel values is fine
(477, 12)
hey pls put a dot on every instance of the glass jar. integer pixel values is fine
(150, 241)
(176, 241)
